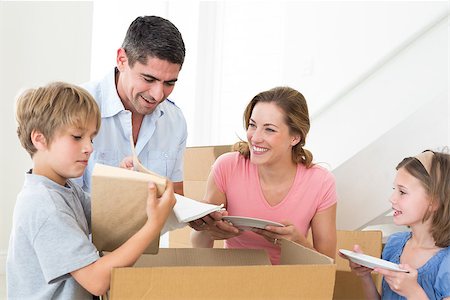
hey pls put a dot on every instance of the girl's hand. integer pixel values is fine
(360, 271)
(404, 284)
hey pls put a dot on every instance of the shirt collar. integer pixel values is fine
(34, 179)
(111, 103)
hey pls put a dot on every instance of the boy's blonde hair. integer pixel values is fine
(52, 107)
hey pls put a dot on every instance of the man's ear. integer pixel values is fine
(122, 59)
(38, 139)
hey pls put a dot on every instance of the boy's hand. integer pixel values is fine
(158, 209)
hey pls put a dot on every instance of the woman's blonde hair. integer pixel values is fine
(295, 109)
(52, 107)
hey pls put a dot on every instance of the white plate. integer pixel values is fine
(370, 261)
(246, 223)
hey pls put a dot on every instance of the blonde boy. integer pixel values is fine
(50, 255)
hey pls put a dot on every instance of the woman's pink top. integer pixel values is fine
(313, 191)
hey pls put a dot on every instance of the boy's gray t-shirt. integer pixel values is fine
(49, 239)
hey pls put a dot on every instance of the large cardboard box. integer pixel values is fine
(118, 201)
(348, 285)
(197, 165)
(226, 274)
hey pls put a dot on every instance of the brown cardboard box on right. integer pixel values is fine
(348, 285)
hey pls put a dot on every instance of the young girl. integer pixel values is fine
(421, 200)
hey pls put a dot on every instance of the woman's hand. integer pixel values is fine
(289, 232)
(215, 227)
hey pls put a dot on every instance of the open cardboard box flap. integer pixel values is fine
(226, 274)
(180, 257)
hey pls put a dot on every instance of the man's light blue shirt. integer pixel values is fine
(161, 141)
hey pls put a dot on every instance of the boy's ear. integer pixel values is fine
(38, 139)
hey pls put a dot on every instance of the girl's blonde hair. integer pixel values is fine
(437, 186)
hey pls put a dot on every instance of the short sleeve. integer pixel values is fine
(442, 285)
(222, 168)
(85, 200)
(394, 246)
(62, 247)
(329, 195)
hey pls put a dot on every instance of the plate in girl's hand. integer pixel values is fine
(370, 261)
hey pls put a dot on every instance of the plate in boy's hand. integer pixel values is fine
(370, 261)
(247, 223)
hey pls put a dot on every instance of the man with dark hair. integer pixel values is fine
(133, 102)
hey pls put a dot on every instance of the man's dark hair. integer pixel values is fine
(152, 36)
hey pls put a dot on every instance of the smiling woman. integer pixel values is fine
(271, 177)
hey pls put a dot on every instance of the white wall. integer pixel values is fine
(364, 181)
(400, 109)
(412, 76)
(39, 42)
(237, 48)
(320, 48)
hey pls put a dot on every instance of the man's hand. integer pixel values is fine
(127, 163)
